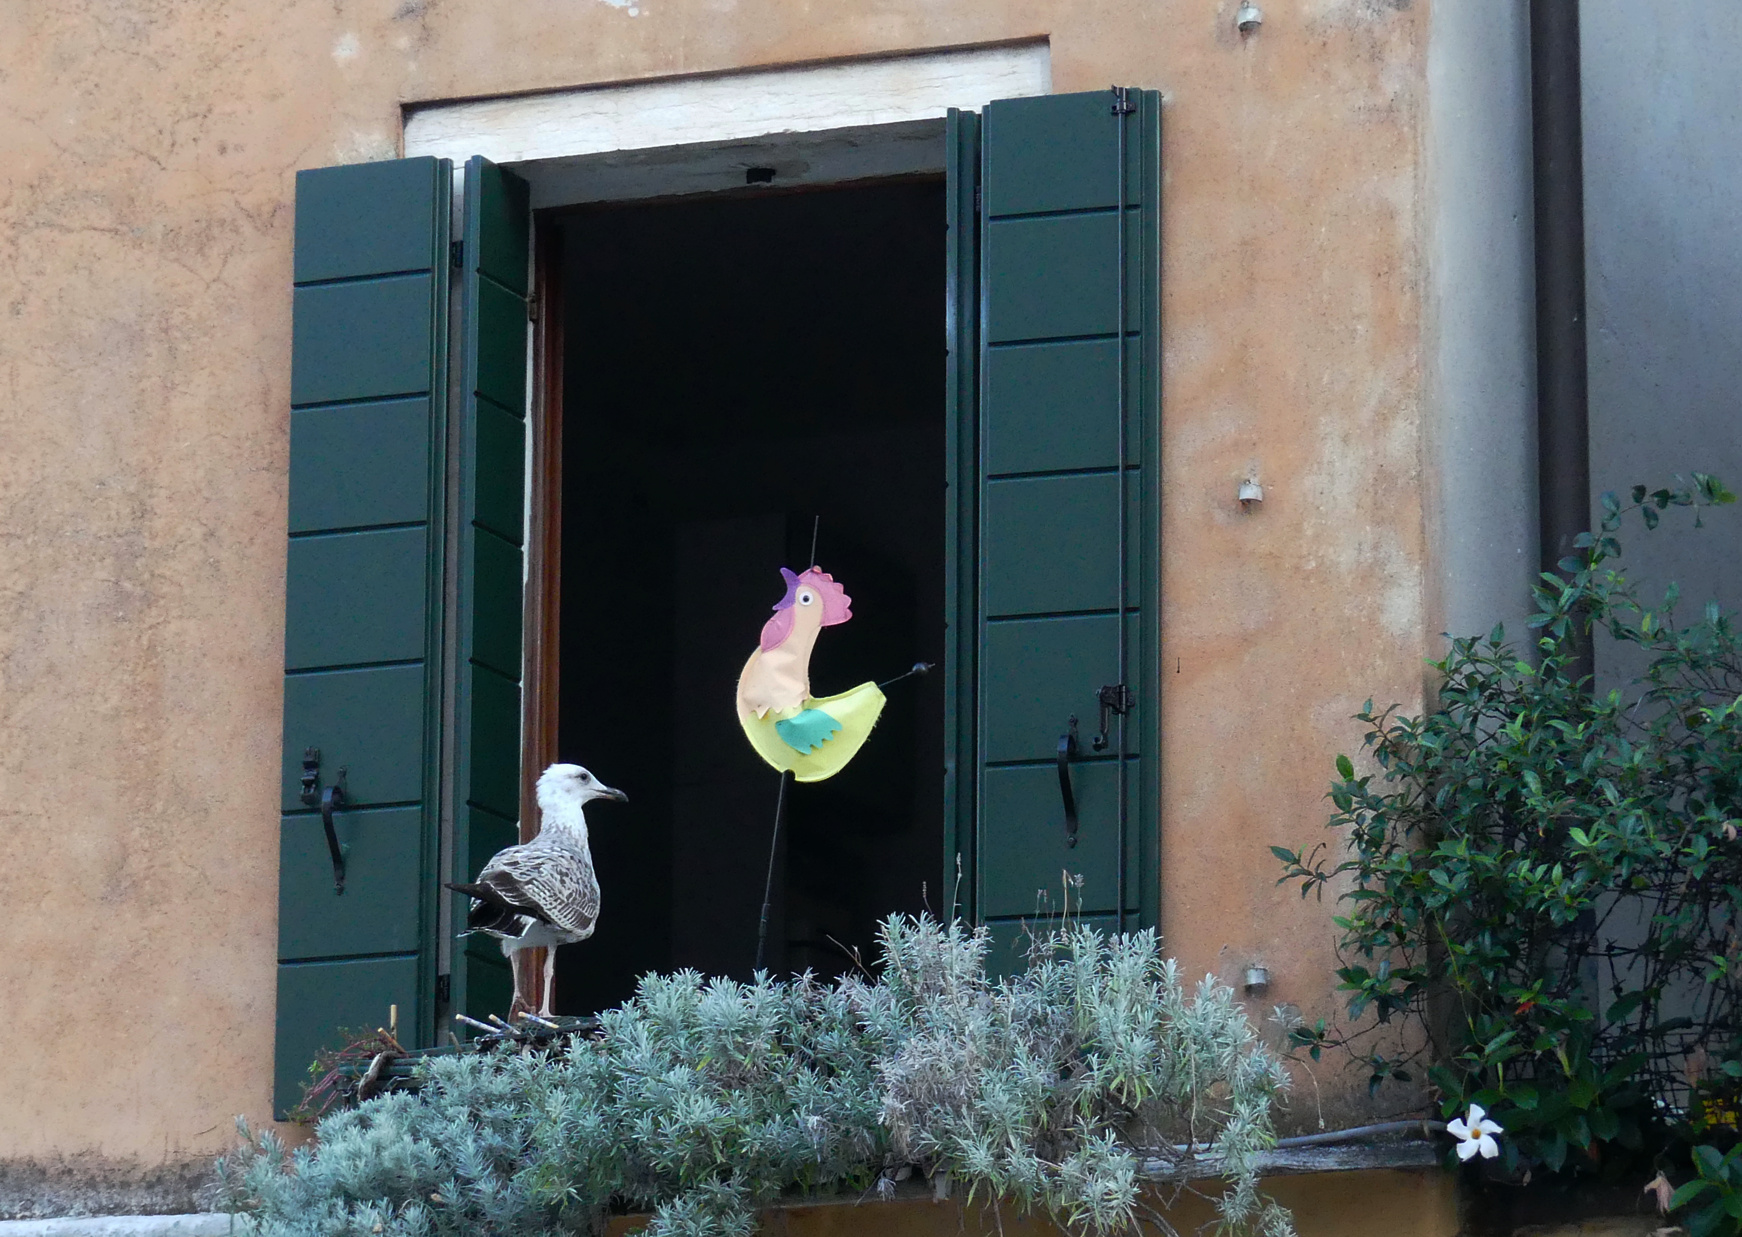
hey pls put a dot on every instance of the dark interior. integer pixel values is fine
(740, 372)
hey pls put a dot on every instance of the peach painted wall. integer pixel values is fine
(145, 246)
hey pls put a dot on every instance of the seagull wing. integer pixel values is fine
(553, 884)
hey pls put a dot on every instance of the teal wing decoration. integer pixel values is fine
(808, 730)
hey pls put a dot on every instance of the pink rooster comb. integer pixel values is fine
(837, 606)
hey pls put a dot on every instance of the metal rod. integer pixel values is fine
(1121, 109)
(768, 885)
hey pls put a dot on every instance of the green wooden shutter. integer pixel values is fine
(1037, 457)
(962, 477)
(362, 609)
(492, 459)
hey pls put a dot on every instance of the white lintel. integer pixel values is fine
(835, 120)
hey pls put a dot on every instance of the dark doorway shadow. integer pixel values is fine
(739, 371)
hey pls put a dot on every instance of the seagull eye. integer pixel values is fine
(806, 597)
(585, 777)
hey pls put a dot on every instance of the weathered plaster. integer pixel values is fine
(145, 232)
(88, 1185)
(1663, 253)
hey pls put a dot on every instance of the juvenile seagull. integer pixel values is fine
(543, 892)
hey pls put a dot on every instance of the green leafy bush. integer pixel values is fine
(1545, 882)
(1719, 1175)
(1058, 1089)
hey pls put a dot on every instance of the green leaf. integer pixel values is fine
(1687, 1193)
(1345, 769)
(1706, 1222)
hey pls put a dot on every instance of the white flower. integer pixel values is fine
(1475, 1134)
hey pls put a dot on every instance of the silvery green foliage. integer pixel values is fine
(1053, 1088)
(702, 1100)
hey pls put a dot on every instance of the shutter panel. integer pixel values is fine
(492, 465)
(1046, 607)
(363, 605)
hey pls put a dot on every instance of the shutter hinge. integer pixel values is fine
(1116, 700)
(532, 309)
(444, 988)
(456, 253)
(1122, 104)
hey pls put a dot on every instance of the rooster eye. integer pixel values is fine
(805, 598)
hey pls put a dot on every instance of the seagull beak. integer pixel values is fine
(608, 792)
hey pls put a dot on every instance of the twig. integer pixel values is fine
(370, 1084)
(852, 955)
(1157, 1219)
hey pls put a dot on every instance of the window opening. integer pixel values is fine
(736, 367)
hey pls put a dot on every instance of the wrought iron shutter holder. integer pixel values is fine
(328, 800)
(1068, 753)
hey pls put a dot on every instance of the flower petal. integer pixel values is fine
(1457, 1129)
(1477, 1112)
(1489, 1127)
(1466, 1149)
(1487, 1146)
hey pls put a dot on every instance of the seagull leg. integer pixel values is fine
(549, 980)
(518, 1002)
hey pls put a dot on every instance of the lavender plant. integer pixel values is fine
(1072, 1088)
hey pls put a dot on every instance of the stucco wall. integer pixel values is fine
(145, 236)
(1663, 252)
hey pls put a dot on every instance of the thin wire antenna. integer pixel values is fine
(816, 527)
(919, 667)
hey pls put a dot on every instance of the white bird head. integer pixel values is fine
(570, 786)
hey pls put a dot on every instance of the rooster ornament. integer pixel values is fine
(792, 730)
